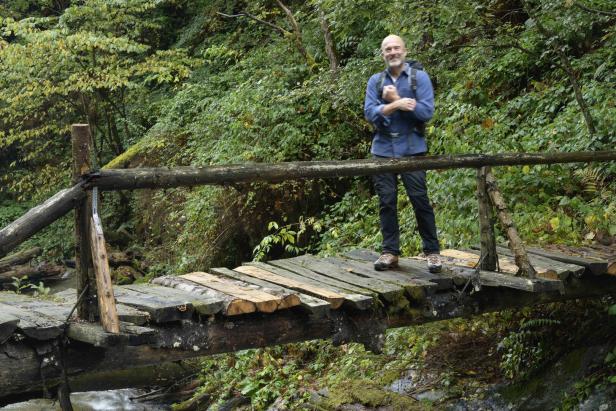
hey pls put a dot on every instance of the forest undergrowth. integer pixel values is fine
(173, 82)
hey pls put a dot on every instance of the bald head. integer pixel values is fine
(393, 51)
(392, 38)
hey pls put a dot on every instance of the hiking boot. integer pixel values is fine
(385, 262)
(434, 263)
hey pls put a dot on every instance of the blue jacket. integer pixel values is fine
(395, 135)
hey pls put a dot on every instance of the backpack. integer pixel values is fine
(420, 126)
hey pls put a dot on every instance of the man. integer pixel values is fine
(398, 102)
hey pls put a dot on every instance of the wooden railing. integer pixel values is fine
(89, 244)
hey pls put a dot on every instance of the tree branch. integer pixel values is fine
(330, 45)
(591, 10)
(297, 34)
(258, 20)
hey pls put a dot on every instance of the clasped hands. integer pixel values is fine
(390, 95)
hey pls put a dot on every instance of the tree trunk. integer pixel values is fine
(488, 257)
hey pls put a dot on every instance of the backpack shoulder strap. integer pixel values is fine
(380, 84)
(413, 81)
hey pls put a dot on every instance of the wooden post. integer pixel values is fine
(486, 226)
(83, 263)
(515, 242)
(104, 290)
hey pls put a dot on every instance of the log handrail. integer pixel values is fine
(139, 178)
(41, 216)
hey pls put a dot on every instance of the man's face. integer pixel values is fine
(393, 51)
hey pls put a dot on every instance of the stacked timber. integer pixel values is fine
(23, 264)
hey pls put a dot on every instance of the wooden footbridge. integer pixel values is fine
(99, 327)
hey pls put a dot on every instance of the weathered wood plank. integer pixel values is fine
(321, 279)
(262, 272)
(334, 295)
(390, 292)
(407, 267)
(264, 302)
(126, 313)
(204, 304)
(563, 270)
(415, 288)
(311, 304)
(8, 324)
(33, 324)
(594, 266)
(160, 309)
(94, 334)
(506, 263)
(289, 298)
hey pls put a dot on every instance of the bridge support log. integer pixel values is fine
(515, 242)
(84, 269)
(488, 257)
(20, 362)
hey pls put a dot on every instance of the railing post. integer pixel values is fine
(486, 225)
(104, 289)
(86, 309)
(515, 242)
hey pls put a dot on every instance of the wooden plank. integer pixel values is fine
(416, 289)
(215, 301)
(486, 278)
(160, 309)
(289, 298)
(320, 279)
(104, 290)
(390, 292)
(335, 297)
(406, 266)
(94, 334)
(33, 324)
(202, 304)
(260, 272)
(563, 270)
(315, 306)
(8, 324)
(264, 302)
(506, 264)
(594, 266)
(126, 313)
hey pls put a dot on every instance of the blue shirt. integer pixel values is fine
(395, 135)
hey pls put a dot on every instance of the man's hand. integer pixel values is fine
(390, 94)
(406, 104)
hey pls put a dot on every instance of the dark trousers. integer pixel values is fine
(415, 184)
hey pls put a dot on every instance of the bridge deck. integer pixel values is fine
(281, 301)
(311, 285)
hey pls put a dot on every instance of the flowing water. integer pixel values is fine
(112, 400)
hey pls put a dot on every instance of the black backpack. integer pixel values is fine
(415, 65)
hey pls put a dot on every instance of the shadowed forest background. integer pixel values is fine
(173, 82)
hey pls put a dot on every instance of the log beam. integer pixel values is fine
(137, 178)
(20, 364)
(40, 217)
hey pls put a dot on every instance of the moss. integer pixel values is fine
(368, 393)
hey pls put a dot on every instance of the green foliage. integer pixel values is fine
(287, 236)
(527, 349)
